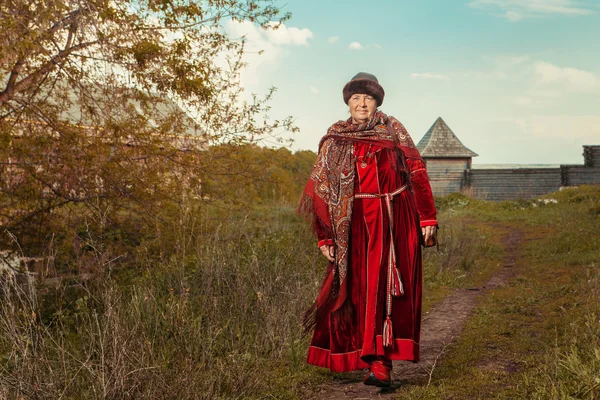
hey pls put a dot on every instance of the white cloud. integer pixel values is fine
(355, 46)
(511, 60)
(265, 47)
(501, 67)
(571, 79)
(523, 101)
(585, 128)
(427, 75)
(314, 89)
(333, 39)
(516, 10)
(280, 34)
(513, 16)
(541, 78)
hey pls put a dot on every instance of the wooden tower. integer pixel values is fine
(446, 158)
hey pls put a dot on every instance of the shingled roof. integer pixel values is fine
(440, 141)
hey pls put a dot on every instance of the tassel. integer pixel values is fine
(388, 334)
(397, 288)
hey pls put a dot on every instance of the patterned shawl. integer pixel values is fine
(329, 194)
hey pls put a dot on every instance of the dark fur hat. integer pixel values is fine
(364, 83)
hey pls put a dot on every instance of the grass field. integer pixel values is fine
(219, 316)
(539, 336)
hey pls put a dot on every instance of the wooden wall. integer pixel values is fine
(512, 184)
(575, 175)
(447, 175)
(591, 156)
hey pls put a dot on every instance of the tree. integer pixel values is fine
(106, 106)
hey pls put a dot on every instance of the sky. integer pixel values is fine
(517, 81)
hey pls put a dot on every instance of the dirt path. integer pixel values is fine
(444, 323)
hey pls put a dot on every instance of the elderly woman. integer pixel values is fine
(371, 205)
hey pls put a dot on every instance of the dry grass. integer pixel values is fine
(210, 309)
(538, 337)
(210, 324)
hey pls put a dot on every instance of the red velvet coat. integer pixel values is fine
(347, 343)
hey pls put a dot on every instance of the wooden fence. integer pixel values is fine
(449, 176)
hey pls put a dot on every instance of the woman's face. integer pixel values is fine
(362, 107)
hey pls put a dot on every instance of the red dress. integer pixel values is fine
(348, 344)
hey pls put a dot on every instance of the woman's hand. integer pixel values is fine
(328, 251)
(428, 232)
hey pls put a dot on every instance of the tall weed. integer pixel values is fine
(571, 369)
(221, 322)
(462, 249)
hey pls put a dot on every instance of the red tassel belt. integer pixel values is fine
(394, 282)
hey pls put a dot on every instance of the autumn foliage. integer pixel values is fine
(114, 111)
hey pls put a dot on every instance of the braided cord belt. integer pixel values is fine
(394, 282)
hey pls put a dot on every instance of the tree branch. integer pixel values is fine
(14, 73)
(69, 18)
(56, 60)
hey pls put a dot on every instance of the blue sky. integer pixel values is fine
(518, 81)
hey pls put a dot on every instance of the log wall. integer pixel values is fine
(591, 156)
(447, 175)
(455, 175)
(575, 175)
(510, 184)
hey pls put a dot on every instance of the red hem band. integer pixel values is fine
(404, 349)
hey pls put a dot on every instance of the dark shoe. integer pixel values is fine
(379, 374)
